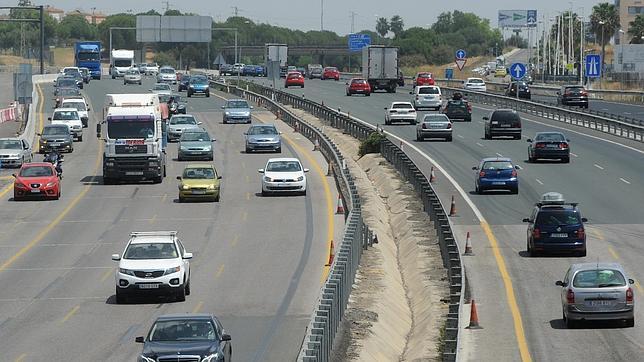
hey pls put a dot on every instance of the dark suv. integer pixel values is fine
(555, 226)
(458, 109)
(572, 95)
(503, 122)
(524, 90)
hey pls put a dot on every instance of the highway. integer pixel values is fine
(258, 261)
(605, 177)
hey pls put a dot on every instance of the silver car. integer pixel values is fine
(132, 76)
(596, 291)
(427, 96)
(263, 137)
(167, 74)
(179, 123)
(434, 125)
(161, 88)
(195, 144)
(14, 152)
(236, 111)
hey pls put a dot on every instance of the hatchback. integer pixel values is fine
(400, 112)
(294, 79)
(199, 182)
(597, 291)
(331, 73)
(358, 86)
(38, 179)
(132, 76)
(497, 173)
(456, 109)
(195, 143)
(263, 137)
(524, 90)
(503, 122)
(283, 175)
(423, 78)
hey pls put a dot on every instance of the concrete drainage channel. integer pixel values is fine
(319, 339)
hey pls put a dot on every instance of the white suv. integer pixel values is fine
(81, 107)
(151, 69)
(71, 118)
(167, 74)
(153, 263)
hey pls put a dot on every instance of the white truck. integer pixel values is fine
(380, 67)
(276, 56)
(120, 61)
(71, 118)
(133, 136)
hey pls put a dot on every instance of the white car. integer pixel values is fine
(71, 118)
(153, 263)
(151, 69)
(427, 96)
(161, 88)
(167, 74)
(283, 175)
(14, 152)
(81, 107)
(132, 76)
(475, 84)
(400, 112)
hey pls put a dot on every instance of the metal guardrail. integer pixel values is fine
(334, 296)
(432, 205)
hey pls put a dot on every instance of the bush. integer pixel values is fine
(371, 144)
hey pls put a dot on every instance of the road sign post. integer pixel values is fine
(593, 66)
(460, 58)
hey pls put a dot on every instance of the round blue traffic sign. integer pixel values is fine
(461, 54)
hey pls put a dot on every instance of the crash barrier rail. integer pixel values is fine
(432, 205)
(334, 296)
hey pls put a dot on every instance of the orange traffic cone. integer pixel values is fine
(340, 207)
(468, 247)
(278, 114)
(331, 254)
(474, 318)
(432, 176)
(452, 208)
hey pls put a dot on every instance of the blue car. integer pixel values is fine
(260, 71)
(199, 84)
(248, 70)
(496, 173)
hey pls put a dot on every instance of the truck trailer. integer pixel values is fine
(380, 67)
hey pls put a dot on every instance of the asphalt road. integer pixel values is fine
(604, 177)
(258, 261)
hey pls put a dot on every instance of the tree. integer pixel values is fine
(636, 30)
(121, 39)
(382, 26)
(604, 21)
(76, 27)
(396, 25)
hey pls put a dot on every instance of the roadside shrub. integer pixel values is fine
(371, 144)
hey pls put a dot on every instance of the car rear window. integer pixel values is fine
(424, 75)
(456, 104)
(428, 90)
(435, 118)
(557, 217)
(358, 81)
(331, 69)
(497, 165)
(505, 116)
(574, 89)
(402, 106)
(293, 76)
(550, 137)
(599, 278)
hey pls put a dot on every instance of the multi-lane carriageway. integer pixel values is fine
(258, 265)
(518, 303)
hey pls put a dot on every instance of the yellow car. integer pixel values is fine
(501, 72)
(199, 181)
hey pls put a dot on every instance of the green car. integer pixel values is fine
(196, 144)
(199, 181)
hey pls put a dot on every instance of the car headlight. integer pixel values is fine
(51, 184)
(185, 187)
(20, 186)
(153, 163)
(191, 85)
(44, 142)
(301, 178)
(268, 179)
(143, 358)
(212, 358)
(227, 113)
(109, 164)
(211, 187)
(173, 270)
(208, 148)
(126, 271)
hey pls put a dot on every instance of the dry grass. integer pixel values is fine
(63, 57)
(439, 70)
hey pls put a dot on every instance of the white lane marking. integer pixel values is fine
(458, 135)
(598, 166)
(498, 154)
(605, 109)
(627, 113)
(539, 181)
(519, 167)
(573, 154)
(478, 144)
(624, 181)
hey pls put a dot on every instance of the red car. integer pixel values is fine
(331, 73)
(294, 78)
(423, 78)
(358, 86)
(38, 179)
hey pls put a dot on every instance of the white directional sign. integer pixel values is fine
(517, 70)
(593, 65)
(517, 18)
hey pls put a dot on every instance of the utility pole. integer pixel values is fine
(321, 15)
(353, 22)
(167, 5)
(582, 57)
(235, 10)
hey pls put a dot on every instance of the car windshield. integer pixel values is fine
(283, 166)
(195, 136)
(183, 120)
(67, 82)
(122, 63)
(182, 330)
(358, 81)
(424, 75)
(557, 217)
(36, 171)
(599, 278)
(236, 104)
(65, 115)
(132, 72)
(68, 92)
(198, 173)
(167, 70)
(55, 131)
(10, 145)
(550, 137)
(140, 251)
(80, 106)
(402, 106)
(152, 65)
(497, 165)
(82, 56)
(428, 90)
(185, 78)
(130, 128)
(161, 86)
(199, 80)
(262, 130)
(164, 98)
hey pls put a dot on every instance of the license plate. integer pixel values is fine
(148, 286)
(54, 144)
(495, 122)
(283, 185)
(198, 192)
(552, 146)
(134, 173)
(558, 235)
(506, 125)
(35, 191)
(498, 183)
(600, 303)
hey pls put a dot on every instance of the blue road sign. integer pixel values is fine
(532, 18)
(461, 54)
(358, 41)
(593, 65)
(517, 70)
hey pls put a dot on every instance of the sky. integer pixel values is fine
(305, 14)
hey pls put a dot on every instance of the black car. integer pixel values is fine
(56, 137)
(183, 83)
(226, 69)
(456, 109)
(401, 79)
(87, 75)
(67, 82)
(186, 337)
(549, 145)
(555, 226)
(524, 90)
(572, 95)
(503, 122)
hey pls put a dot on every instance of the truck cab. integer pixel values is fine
(121, 61)
(87, 54)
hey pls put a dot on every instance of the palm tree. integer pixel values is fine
(382, 26)
(396, 25)
(604, 21)
(636, 30)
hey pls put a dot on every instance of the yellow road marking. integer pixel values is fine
(235, 240)
(6, 189)
(509, 291)
(219, 271)
(244, 216)
(613, 253)
(21, 357)
(153, 219)
(638, 286)
(599, 234)
(70, 313)
(165, 196)
(107, 274)
(197, 307)
(6, 177)
(248, 196)
(247, 178)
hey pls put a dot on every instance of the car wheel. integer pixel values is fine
(449, 139)
(208, 95)
(478, 190)
(530, 158)
(124, 83)
(181, 199)
(189, 94)
(140, 83)
(517, 137)
(188, 287)
(582, 253)
(80, 138)
(216, 198)
(566, 160)
(264, 193)
(107, 181)
(487, 136)
(247, 150)
(179, 158)
(181, 295)
(387, 122)
(57, 197)
(514, 190)
(158, 180)
(120, 298)
(630, 323)
(571, 323)
(368, 94)
(279, 150)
